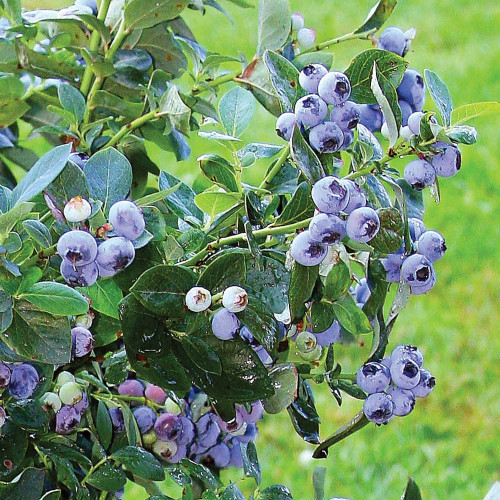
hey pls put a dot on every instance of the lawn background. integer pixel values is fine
(450, 444)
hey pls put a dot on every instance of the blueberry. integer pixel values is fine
(357, 198)
(297, 21)
(168, 427)
(198, 299)
(77, 209)
(306, 251)
(334, 88)
(406, 111)
(83, 404)
(77, 247)
(331, 335)
(67, 419)
(310, 77)
(187, 432)
(313, 355)
(208, 432)
(150, 438)
(362, 291)
(306, 37)
(285, 125)
(327, 228)
(255, 413)
(417, 271)
(264, 356)
(348, 139)
(105, 273)
(88, 3)
(3, 416)
(116, 416)
(425, 384)
(70, 393)
(414, 121)
(145, 417)
(83, 341)
(419, 174)
(50, 400)
(225, 324)
(131, 387)
(4, 375)
(250, 434)
(403, 399)
(362, 224)
(412, 89)
(346, 116)
(165, 449)
(219, 455)
(371, 117)
(417, 228)
(432, 245)
(306, 342)
(233, 425)
(85, 275)
(405, 373)
(23, 381)
(247, 336)
(127, 219)
(79, 159)
(64, 377)
(235, 299)
(115, 254)
(179, 454)
(236, 459)
(407, 351)
(310, 110)
(387, 362)
(330, 195)
(379, 408)
(393, 39)
(155, 393)
(448, 160)
(326, 137)
(373, 377)
(392, 265)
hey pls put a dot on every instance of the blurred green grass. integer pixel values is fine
(450, 444)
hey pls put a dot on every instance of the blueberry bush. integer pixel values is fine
(146, 325)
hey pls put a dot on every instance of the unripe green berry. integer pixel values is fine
(313, 355)
(172, 407)
(150, 438)
(306, 342)
(65, 377)
(70, 393)
(51, 400)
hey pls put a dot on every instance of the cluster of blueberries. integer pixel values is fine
(83, 259)
(190, 427)
(394, 383)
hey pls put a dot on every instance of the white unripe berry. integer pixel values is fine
(198, 299)
(297, 21)
(306, 37)
(235, 299)
(77, 209)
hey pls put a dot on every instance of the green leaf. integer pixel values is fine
(107, 478)
(11, 88)
(68, 184)
(284, 78)
(350, 316)
(440, 94)
(109, 177)
(319, 475)
(201, 354)
(45, 170)
(412, 492)
(302, 281)
(276, 492)
(216, 202)
(104, 425)
(236, 109)
(251, 465)
(172, 106)
(284, 378)
(17, 213)
(299, 208)
(140, 462)
(56, 299)
(11, 457)
(378, 15)
(390, 235)
(107, 104)
(305, 157)
(162, 289)
(39, 336)
(360, 72)
(463, 114)
(38, 231)
(200, 472)
(225, 270)
(231, 492)
(28, 414)
(303, 414)
(463, 134)
(72, 100)
(29, 486)
(338, 281)
(274, 25)
(146, 13)
(414, 200)
(10, 111)
(262, 324)
(219, 170)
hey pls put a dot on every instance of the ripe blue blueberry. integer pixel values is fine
(403, 399)
(326, 137)
(346, 116)
(285, 125)
(92, 4)
(83, 341)
(250, 434)
(77, 247)
(115, 254)
(362, 291)
(448, 160)
(207, 431)
(83, 404)
(236, 459)
(330, 195)
(67, 419)
(306, 37)
(348, 139)
(357, 198)
(412, 89)
(105, 273)
(155, 393)
(117, 421)
(131, 387)
(417, 271)
(425, 384)
(264, 356)
(414, 121)
(327, 228)
(23, 381)
(219, 455)
(127, 219)
(4, 375)
(405, 373)
(334, 88)
(432, 245)
(79, 159)
(373, 377)
(310, 110)
(145, 417)
(307, 251)
(225, 324)
(392, 265)
(167, 427)
(187, 431)
(407, 351)
(247, 336)
(85, 275)
(417, 228)
(419, 174)
(254, 415)
(363, 224)
(379, 408)
(406, 111)
(331, 335)
(310, 76)
(371, 117)
(393, 39)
